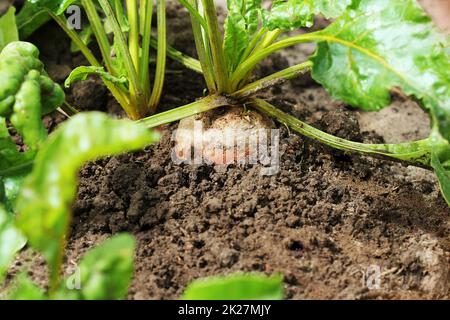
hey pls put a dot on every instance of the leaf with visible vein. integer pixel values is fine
(81, 74)
(378, 45)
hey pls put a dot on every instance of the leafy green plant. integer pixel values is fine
(43, 205)
(44, 176)
(371, 47)
(125, 66)
(26, 93)
(44, 201)
(239, 286)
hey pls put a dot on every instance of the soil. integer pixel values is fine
(327, 221)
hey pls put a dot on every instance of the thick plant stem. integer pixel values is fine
(146, 12)
(254, 42)
(192, 8)
(269, 38)
(273, 80)
(99, 32)
(136, 95)
(209, 103)
(416, 152)
(203, 55)
(133, 35)
(250, 63)
(216, 41)
(160, 58)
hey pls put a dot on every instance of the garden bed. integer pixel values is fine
(324, 221)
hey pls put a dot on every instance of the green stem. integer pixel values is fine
(273, 79)
(416, 152)
(254, 42)
(146, 8)
(250, 63)
(161, 57)
(179, 56)
(269, 38)
(216, 42)
(133, 35)
(266, 41)
(202, 105)
(136, 95)
(100, 34)
(194, 13)
(67, 110)
(203, 53)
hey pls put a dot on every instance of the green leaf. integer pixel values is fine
(56, 6)
(236, 287)
(81, 74)
(43, 205)
(378, 45)
(11, 160)
(240, 25)
(25, 289)
(8, 28)
(105, 272)
(26, 93)
(291, 14)
(12, 186)
(11, 241)
(30, 18)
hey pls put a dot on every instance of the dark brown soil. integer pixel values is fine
(324, 221)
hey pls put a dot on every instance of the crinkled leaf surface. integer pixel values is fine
(11, 241)
(236, 287)
(104, 272)
(43, 205)
(290, 14)
(26, 93)
(8, 28)
(377, 45)
(240, 25)
(81, 74)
